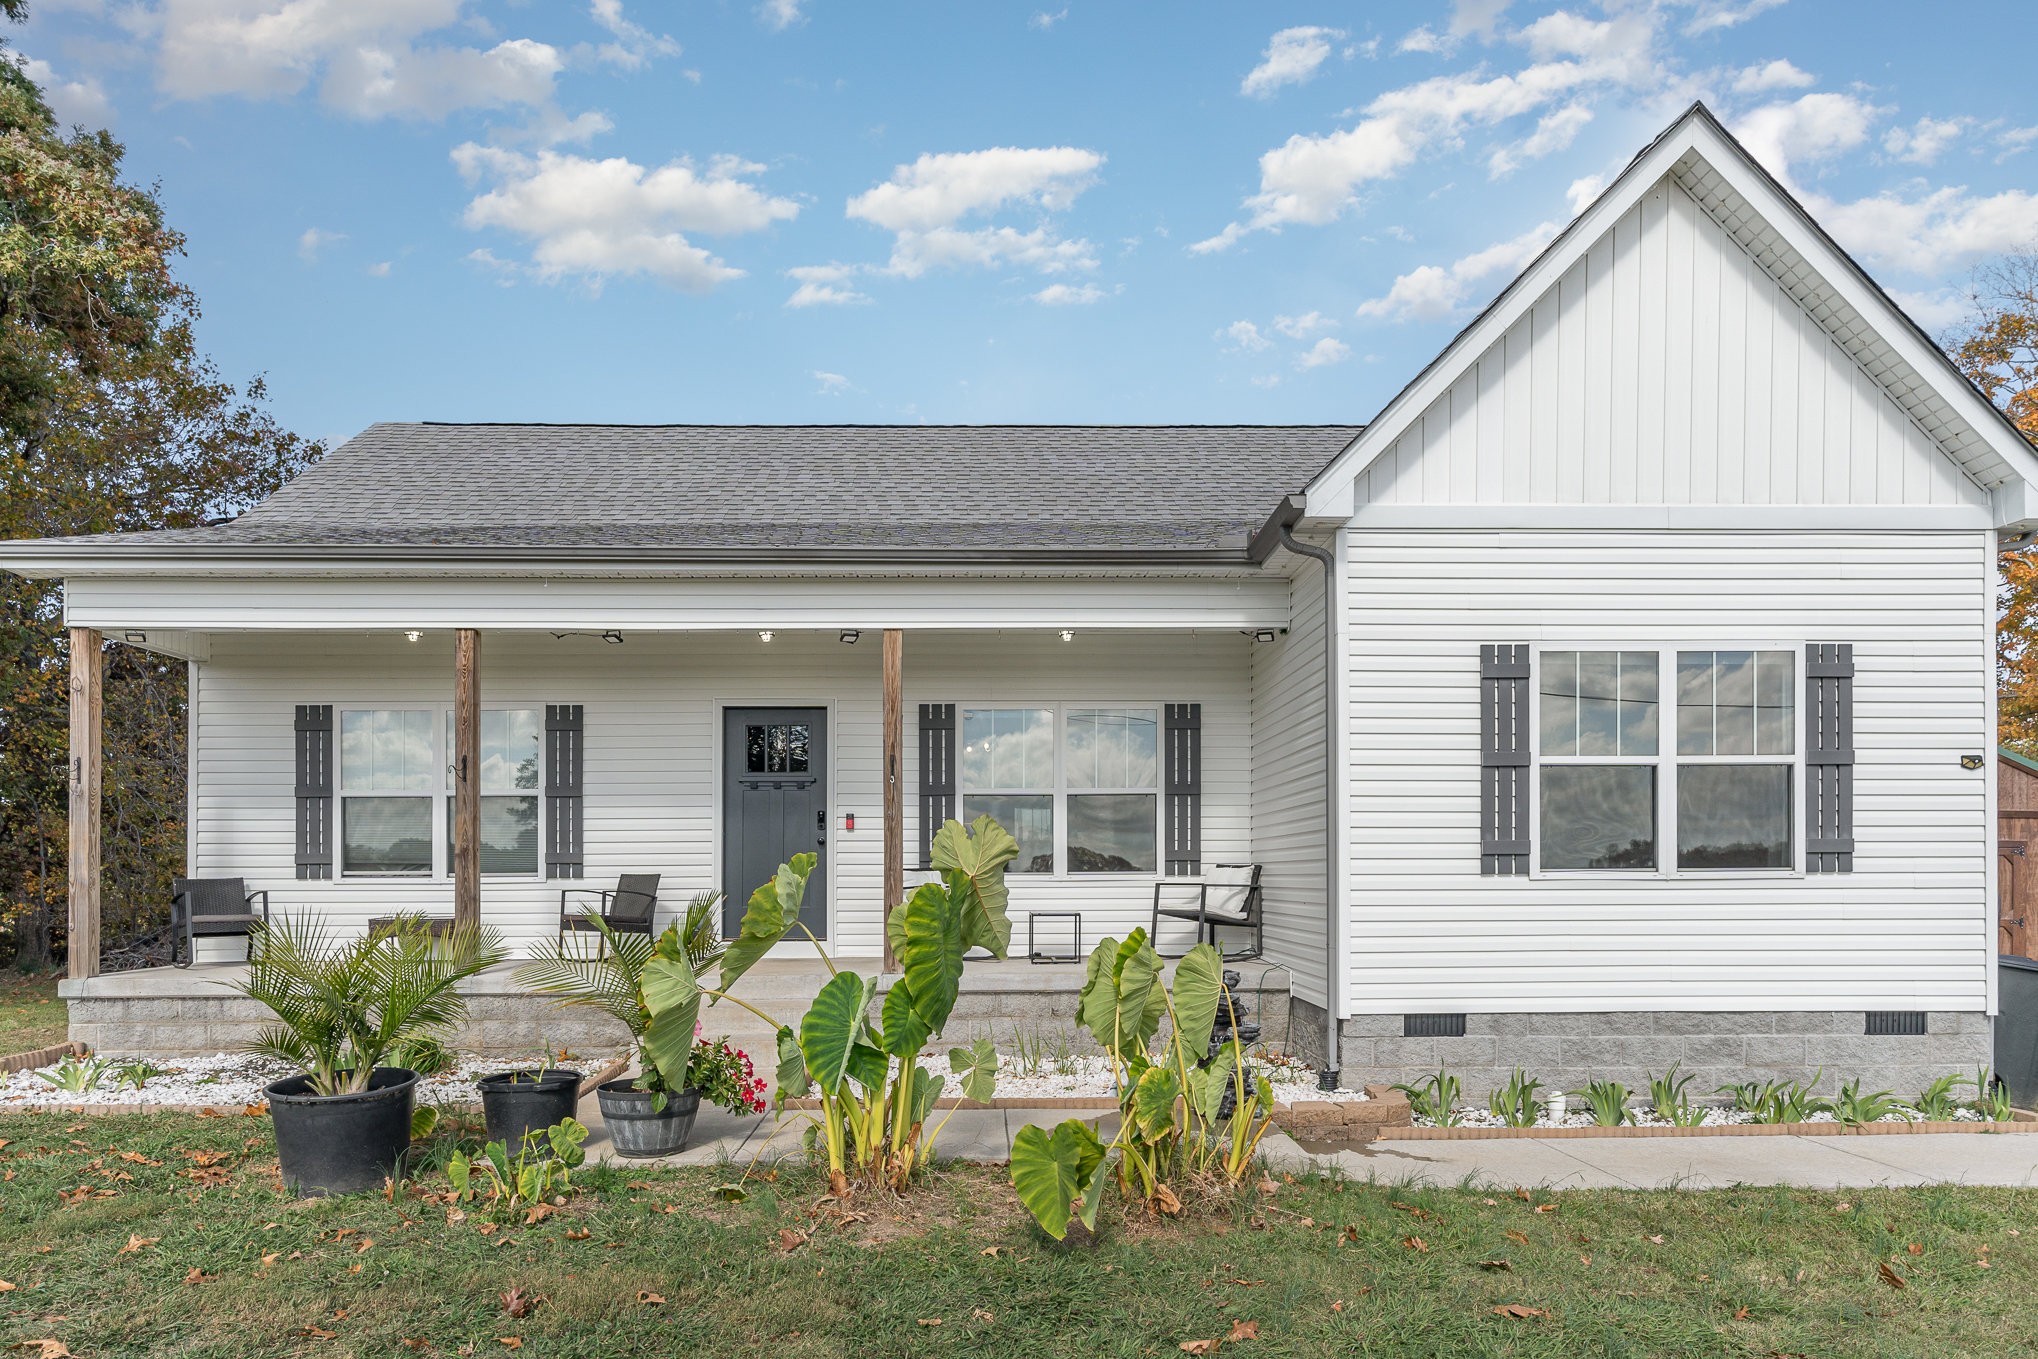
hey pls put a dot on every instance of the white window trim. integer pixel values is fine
(1060, 792)
(439, 798)
(1666, 760)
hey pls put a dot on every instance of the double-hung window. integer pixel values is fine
(1078, 787)
(396, 784)
(1618, 791)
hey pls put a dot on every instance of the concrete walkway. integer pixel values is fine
(1569, 1163)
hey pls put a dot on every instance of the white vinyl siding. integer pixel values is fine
(652, 768)
(1288, 814)
(1665, 368)
(1909, 928)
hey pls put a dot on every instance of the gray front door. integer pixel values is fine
(774, 805)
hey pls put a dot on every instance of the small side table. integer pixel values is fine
(1075, 919)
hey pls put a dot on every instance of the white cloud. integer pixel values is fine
(1068, 295)
(1937, 310)
(1769, 77)
(924, 203)
(1470, 17)
(431, 82)
(1313, 179)
(1244, 335)
(832, 384)
(1554, 132)
(1712, 15)
(314, 240)
(1264, 380)
(779, 15)
(1044, 20)
(1582, 191)
(2015, 141)
(74, 102)
(823, 285)
(1293, 57)
(379, 269)
(1921, 143)
(1323, 353)
(1432, 292)
(1421, 39)
(1926, 235)
(592, 218)
(1814, 127)
(1298, 327)
(503, 271)
(634, 45)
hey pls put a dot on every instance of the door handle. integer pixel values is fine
(821, 827)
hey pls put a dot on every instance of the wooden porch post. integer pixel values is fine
(467, 777)
(88, 670)
(895, 826)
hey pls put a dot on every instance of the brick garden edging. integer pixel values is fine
(24, 1061)
(2023, 1123)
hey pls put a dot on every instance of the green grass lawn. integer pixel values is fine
(118, 1238)
(31, 1016)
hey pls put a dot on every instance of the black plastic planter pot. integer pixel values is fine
(521, 1102)
(635, 1129)
(342, 1144)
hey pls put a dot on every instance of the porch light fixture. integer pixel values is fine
(613, 637)
(764, 636)
(134, 637)
(413, 636)
(1068, 634)
(850, 636)
(1264, 635)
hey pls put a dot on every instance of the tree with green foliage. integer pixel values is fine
(110, 421)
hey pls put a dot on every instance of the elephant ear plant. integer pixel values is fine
(874, 1096)
(1176, 1127)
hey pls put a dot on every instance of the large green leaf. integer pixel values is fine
(932, 957)
(978, 856)
(773, 911)
(1122, 1001)
(672, 996)
(828, 1030)
(905, 1032)
(926, 1093)
(977, 1064)
(1156, 1103)
(868, 1066)
(1199, 990)
(1051, 1169)
(793, 1081)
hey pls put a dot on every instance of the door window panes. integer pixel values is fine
(778, 748)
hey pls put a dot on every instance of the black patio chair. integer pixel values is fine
(1238, 908)
(626, 908)
(210, 907)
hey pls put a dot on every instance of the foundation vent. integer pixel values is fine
(1432, 1026)
(1895, 1023)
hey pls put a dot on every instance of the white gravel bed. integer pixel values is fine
(1715, 1116)
(1090, 1078)
(226, 1080)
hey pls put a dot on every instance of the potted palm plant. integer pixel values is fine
(652, 987)
(342, 1007)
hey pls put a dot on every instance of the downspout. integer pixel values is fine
(1283, 521)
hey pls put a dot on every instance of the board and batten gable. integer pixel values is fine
(1666, 367)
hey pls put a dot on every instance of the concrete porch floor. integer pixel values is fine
(196, 1010)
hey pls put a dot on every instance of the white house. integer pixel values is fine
(1647, 725)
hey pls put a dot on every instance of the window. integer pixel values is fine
(396, 785)
(1599, 747)
(1077, 787)
(386, 783)
(780, 748)
(1736, 751)
(1612, 797)
(510, 741)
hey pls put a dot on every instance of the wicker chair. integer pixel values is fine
(627, 908)
(210, 907)
(1242, 912)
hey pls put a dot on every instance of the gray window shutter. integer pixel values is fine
(1182, 784)
(937, 774)
(314, 791)
(564, 742)
(1829, 758)
(1503, 759)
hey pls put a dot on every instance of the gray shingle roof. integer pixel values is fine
(701, 488)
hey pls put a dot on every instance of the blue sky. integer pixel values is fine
(812, 210)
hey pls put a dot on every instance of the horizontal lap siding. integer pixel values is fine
(1288, 737)
(652, 725)
(1908, 929)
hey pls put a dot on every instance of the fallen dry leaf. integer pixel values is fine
(979, 1314)
(790, 1240)
(992, 1251)
(1338, 1306)
(136, 1158)
(413, 1343)
(1741, 1314)
(1889, 1276)
(1519, 1238)
(578, 1233)
(6, 1287)
(1519, 1311)
(1201, 1346)
(1915, 1249)
(1655, 1240)
(316, 1333)
(649, 1299)
(196, 1275)
(270, 1259)
(1497, 1264)
(930, 1321)
(49, 1347)
(1546, 1207)
(510, 1342)
(517, 1302)
(1415, 1243)
(136, 1243)
(1244, 1330)
(1164, 1199)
